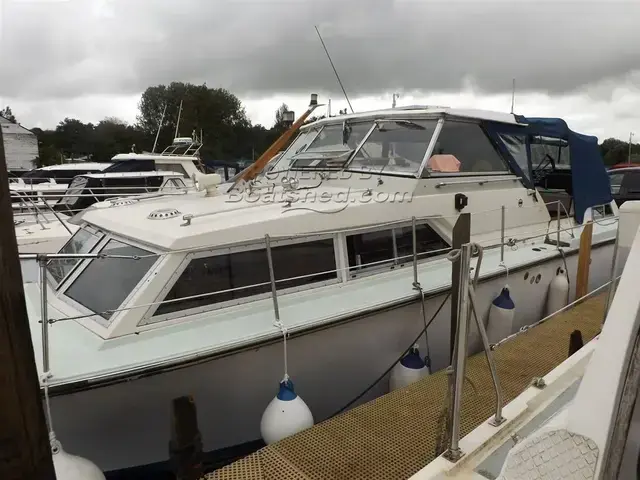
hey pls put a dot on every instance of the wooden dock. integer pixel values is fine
(394, 436)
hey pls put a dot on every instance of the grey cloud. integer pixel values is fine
(258, 48)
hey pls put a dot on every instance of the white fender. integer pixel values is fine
(285, 415)
(501, 316)
(409, 369)
(72, 467)
(558, 292)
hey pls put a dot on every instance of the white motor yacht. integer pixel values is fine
(194, 294)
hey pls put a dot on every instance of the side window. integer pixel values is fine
(517, 148)
(243, 274)
(616, 181)
(468, 143)
(393, 246)
(172, 167)
(549, 153)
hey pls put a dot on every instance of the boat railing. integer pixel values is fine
(466, 303)
(397, 261)
(37, 208)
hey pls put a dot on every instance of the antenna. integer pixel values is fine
(178, 122)
(513, 94)
(334, 69)
(159, 127)
(395, 96)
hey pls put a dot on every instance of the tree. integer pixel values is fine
(8, 114)
(280, 124)
(215, 112)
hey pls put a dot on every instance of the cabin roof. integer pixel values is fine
(152, 156)
(76, 166)
(421, 111)
(217, 220)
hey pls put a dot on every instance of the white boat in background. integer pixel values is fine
(45, 228)
(585, 422)
(48, 182)
(182, 301)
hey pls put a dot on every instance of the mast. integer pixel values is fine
(159, 127)
(178, 122)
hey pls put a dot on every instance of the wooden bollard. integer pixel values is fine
(584, 259)
(185, 446)
(575, 342)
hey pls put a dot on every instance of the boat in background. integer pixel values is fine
(48, 182)
(45, 227)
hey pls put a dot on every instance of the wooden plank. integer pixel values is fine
(25, 451)
(584, 261)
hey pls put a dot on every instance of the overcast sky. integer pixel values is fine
(577, 59)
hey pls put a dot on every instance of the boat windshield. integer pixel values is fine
(333, 146)
(395, 146)
(299, 144)
(83, 241)
(105, 283)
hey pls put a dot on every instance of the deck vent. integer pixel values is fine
(120, 203)
(163, 214)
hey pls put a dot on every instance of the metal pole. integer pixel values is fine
(613, 274)
(454, 453)
(558, 226)
(44, 314)
(502, 234)
(274, 293)
(55, 214)
(415, 253)
(498, 419)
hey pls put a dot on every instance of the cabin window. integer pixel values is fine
(516, 145)
(117, 276)
(549, 153)
(393, 246)
(468, 143)
(339, 137)
(395, 146)
(238, 275)
(83, 241)
(172, 167)
(299, 145)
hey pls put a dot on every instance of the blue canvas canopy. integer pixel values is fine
(589, 184)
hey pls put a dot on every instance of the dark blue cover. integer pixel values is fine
(589, 176)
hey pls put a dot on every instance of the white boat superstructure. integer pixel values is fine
(181, 301)
(44, 227)
(582, 419)
(48, 182)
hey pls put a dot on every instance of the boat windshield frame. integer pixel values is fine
(98, 318)
(93, 238)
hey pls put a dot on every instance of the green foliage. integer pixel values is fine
(616, 151)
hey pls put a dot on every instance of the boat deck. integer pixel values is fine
(394, 436)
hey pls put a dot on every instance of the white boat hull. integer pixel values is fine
(128, 424)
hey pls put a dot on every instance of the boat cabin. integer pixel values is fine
(338, 206)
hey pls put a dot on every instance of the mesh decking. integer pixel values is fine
(394, 436)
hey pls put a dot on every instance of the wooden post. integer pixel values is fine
(461, 234)
(25, 451)
(185, 446)
(584, 260)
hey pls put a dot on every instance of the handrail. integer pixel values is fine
(479, 182)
